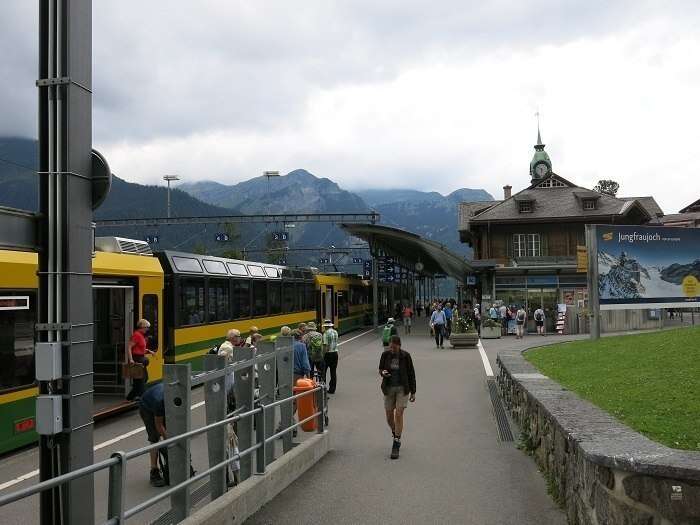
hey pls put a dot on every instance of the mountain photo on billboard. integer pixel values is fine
(626, 275)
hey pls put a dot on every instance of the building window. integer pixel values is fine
(533, 245)
(527, 245)
(241, 299)
(589, 204)
(551, 183)
(259, 298)
(525, 206)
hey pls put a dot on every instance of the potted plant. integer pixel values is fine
(463, 334)
(490, 329)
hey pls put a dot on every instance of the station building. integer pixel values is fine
(529, 247)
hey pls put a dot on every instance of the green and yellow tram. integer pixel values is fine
(190, 300)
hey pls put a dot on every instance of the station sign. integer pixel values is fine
(471, 280)
(367, 269)
(222, 237)
(151, 239)
(440, 276)
(280, 236)
(647, 267)
(357, 260)
(324, 260)
(282, 262)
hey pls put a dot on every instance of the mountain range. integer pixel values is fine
(426, 213)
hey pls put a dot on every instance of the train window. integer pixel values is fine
(237, 269)
(149, 312)
(343, 307)
(256, 271)
(187, 264)
(17, 343)
(241, 299)
(219, 305)
(275, 297)
(215, 267)
(259, 297)
(288, 298)
(310, 296)
(191, 301)
(271, 271)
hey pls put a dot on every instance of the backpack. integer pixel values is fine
(538, 316)
(214, 350)
(316, 347)
(521, 316)
(386, 334)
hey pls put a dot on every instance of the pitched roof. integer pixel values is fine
(556, 203)
(695, 206)
(648, 203)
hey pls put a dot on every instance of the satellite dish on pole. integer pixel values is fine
(101, 179)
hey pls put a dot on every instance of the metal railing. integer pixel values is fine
(178, 381)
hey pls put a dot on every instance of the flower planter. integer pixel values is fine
(490, 332)
(467, 340)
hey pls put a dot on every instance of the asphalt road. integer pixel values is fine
(452, 469)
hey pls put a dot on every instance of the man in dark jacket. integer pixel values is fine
(398, 387)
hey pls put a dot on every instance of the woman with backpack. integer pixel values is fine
(539, 320)
(314, 346)
(388, 331)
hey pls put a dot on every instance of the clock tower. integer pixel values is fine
(540, 165)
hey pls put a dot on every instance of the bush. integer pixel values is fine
(491, 323)
(462, 325)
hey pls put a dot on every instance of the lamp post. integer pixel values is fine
(169, 178)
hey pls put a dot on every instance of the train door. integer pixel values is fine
(114, 319)
(329, 305)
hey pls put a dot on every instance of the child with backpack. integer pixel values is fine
(388, 331)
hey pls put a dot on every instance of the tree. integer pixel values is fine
(607, 186)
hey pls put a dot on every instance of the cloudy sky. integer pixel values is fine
(433, 95)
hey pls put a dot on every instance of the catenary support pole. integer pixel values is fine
(65, 306)
(593, 294)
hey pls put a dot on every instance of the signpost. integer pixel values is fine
(367, 268)
(280, 236)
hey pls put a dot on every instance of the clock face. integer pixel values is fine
(541, 169)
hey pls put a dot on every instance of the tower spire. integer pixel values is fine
(540, 165)
(539, 136)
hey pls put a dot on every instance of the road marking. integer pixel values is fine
(485, 360)
(99, 446)
(353, 338)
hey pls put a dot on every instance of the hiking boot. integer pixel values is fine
(156, 479)
(395, 449)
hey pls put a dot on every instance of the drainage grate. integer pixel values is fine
(504, 432)
(198, 495)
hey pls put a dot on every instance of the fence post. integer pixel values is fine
(260, 438)
(321, 403)
(178, 399)
(267, 379)
(215, 408)
(117, 489)
(244, 384)
(285, 378)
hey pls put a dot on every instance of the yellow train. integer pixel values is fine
(191, 301)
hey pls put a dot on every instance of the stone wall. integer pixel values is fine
(600, 471)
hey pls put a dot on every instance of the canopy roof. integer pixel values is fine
(411, 248)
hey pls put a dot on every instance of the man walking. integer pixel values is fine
(330, 354)
(437, 323)
(477, 318)
(448, 318)
(398, 383)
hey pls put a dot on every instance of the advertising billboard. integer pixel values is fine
(648, 267)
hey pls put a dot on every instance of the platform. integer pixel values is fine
(453, 466)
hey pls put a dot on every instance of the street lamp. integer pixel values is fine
(169, 178)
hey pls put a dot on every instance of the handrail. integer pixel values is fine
(101, 465)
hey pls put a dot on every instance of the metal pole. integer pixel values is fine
(168, 198)
(593, 295)
(375, 293)
(178, 420)
(215, 408)
(117, 489)
(244, 383)
(285, 377)
(65, 276)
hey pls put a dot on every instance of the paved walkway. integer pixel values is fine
(452, 469)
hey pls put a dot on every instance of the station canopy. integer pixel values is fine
(410, 249)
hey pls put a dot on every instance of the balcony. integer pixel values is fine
(563, 261)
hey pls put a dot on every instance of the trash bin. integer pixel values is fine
(306, 406)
